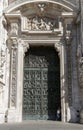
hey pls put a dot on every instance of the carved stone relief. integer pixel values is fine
(39, 23)
(14, 29)
(13, 73)
(2, 63)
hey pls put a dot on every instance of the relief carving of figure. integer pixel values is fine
(40, 24)
(35, 24)
(29, 24)
(14, 29)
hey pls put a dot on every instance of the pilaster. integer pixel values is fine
(22, 48)
(81, 27)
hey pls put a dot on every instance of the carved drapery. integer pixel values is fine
(13, 84)
(40, 24)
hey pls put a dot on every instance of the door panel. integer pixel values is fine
(41, 89)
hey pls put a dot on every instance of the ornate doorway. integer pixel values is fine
(41, 87)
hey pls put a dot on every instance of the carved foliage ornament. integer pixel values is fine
(13, 73)
(2, 63)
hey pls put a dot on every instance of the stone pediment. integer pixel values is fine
(68, 6)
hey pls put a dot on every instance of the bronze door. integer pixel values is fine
(41, 88)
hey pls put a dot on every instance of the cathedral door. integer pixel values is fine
(41, 87)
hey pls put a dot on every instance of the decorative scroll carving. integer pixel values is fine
(13, 73)
(81, 72)
(40, 24)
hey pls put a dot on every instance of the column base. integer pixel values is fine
(13, 116)
(2, 115)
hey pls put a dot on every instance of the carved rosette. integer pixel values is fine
(13, 87)
(81, 72)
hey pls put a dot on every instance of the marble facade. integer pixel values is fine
(26, 23)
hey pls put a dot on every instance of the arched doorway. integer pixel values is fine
(52, 21)
(41, 87)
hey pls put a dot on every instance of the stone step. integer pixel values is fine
(41, 125)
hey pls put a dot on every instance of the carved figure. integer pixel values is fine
(42, 25)
(35, 24)
(39, 24)
(14, 29)
(29, 24)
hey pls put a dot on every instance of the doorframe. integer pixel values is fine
(53, 51)
(23, 46)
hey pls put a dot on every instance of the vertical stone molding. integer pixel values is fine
(23, 47)
(69, 66)
(81, 27)
(81, 72)
(13, 73)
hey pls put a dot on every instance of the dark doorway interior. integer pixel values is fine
(41, 87)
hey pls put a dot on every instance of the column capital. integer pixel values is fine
(12, 43)
(24, 44)
(57, 47)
